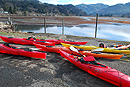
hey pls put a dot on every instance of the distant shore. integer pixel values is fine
(68, 20)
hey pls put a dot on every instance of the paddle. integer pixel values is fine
(97, 50)
(35, 49)
(74, 49)
(81, 58)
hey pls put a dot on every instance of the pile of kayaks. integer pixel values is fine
(76, 52)
(31, 40)
(83, 52)
(106, 50)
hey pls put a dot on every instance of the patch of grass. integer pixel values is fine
(3, 33)
(125, 59)
(128, 56)
(19, 35)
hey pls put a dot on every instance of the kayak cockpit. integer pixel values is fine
(25, 49)
(31, 38)
(7, 45)
(90, 60)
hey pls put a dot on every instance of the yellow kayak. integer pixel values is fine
(108, 50)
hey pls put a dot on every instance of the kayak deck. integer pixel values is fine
(8, 49)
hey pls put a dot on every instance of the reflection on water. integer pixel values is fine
(116, 31)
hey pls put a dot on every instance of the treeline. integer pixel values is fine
(105, 15)
(12, 6)
(10, 9)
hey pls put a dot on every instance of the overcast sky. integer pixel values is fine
(76, 2)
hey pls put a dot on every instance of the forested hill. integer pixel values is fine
(106, 10)
(118, 9)
(34, 6)
(89, 9)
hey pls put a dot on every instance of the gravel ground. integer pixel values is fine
(55, 71)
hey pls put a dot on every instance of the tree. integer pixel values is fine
(10, 10)
(15, 9)
(24, 13)
(5, 7)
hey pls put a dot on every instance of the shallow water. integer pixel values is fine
(114, 31)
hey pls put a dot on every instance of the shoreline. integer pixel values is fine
(68, 20)
(66, 37)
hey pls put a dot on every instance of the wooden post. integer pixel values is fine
(9, 18)
(9, 21)
(63, 26)
(13, 28)
(96, 25)
(45, 24)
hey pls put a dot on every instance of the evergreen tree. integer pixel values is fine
(5, 7)
(24, 13)
(15, 9)
(10, 10)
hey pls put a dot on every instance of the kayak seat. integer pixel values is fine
(91, 62)
(76, 45)
(97, 52)
(82, 60)
(6, 44)
(41, 41)
(13, 47)
(80, 49)
(27, 49)
(31, 38)
(10, 37)
(95, 63)
(49, 46)
(102, 45)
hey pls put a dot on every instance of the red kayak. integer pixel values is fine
(59, 41)
(8, 49)
(87, 53)
(99, 70)
(25, 41)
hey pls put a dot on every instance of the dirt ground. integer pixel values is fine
(54, 71)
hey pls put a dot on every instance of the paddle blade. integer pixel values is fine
(34, 49)
(74, 49)
(99, 49)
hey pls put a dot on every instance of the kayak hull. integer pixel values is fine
(87, 53)
(22, 52)
(107, 50)
(59, 41)
(24, 41)
(101, 71)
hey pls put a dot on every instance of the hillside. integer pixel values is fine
(118, 9)
(29, 7)
(34, 6)
(92, 7)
